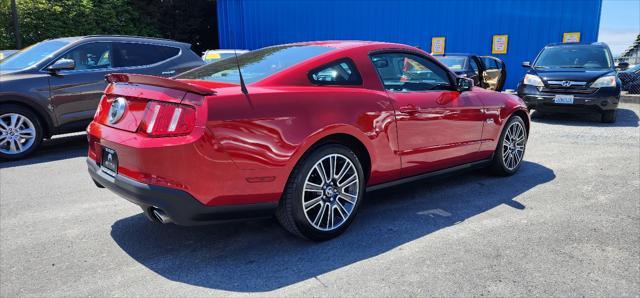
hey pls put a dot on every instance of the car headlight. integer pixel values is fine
(532, 80)
(608, 81)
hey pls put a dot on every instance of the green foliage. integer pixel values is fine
(43, 19)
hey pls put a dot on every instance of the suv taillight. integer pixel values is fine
(163, 119)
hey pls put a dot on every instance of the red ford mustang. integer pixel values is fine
(311, 127)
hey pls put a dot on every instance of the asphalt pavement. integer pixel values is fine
(567, 224)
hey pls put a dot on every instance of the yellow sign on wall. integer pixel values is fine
(571, 37)
(499, 45)
(437, 46)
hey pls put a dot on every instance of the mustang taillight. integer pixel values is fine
(167, 119)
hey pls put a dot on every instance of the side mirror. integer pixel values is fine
(62, 64)
(526, 64)
(464, 84)
(623, 65)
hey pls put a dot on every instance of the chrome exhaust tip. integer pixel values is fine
(161, 216)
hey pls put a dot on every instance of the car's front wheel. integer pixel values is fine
(20, 132)
(323, 193)
(510, 151)
(609, 116)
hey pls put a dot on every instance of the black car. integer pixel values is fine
(54, 86)
(485, 71)
(571, 78)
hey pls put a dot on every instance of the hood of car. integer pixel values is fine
(583, 75)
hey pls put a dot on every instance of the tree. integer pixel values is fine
(191, 21)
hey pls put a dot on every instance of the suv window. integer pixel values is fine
(139, 54)
(95, 55)
(574, 56)
(408, 72)
(341, 72)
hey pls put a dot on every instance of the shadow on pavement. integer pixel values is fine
(625, 118)
(256, 256)
(59, 148)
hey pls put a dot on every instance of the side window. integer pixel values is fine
(96, 55)
(474, 65)
(407, 72)
(490, 63)
(139, 54)
(341, 72)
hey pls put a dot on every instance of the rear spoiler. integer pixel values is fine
(157, 81)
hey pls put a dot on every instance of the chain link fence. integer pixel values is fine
(630, 82)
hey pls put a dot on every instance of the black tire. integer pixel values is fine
(609, 116)
(290, 211)
(6, 109)
(498, 165)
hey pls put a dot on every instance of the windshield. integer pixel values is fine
(255, 65)
(32, 55)
(453, 62)
(574, 57)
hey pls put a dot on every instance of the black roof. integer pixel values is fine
(124, 38)
(560, 44)
(456, 54)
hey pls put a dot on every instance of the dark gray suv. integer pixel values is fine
(54, 86)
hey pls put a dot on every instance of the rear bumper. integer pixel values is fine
(602, 100)
(178, 205)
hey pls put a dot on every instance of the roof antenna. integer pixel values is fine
(243, 87)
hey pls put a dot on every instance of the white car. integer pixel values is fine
(215, 55)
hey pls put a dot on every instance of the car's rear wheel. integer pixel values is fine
(20, 132)
(323, 193)
(508, 156)
(609, 116)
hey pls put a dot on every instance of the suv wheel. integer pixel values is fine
(323, 194)
(609, 116)
(20, 132)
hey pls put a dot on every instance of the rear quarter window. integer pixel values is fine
(340, 72)
(140, 54)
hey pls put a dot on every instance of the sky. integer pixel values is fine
(619, 24)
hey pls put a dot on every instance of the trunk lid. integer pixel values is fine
(137, 91)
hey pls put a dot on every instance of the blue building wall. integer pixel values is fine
(467, 25)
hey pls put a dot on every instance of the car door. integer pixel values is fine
(75, 93)
(438, 127)
(494, 73)
(476, 71)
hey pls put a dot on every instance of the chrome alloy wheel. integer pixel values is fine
(330, 192)
(17, 133)
(513, 145)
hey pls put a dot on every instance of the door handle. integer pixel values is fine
(408, 109)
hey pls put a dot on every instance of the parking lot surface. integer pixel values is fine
(567, 224)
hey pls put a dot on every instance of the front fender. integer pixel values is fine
(38, 105)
